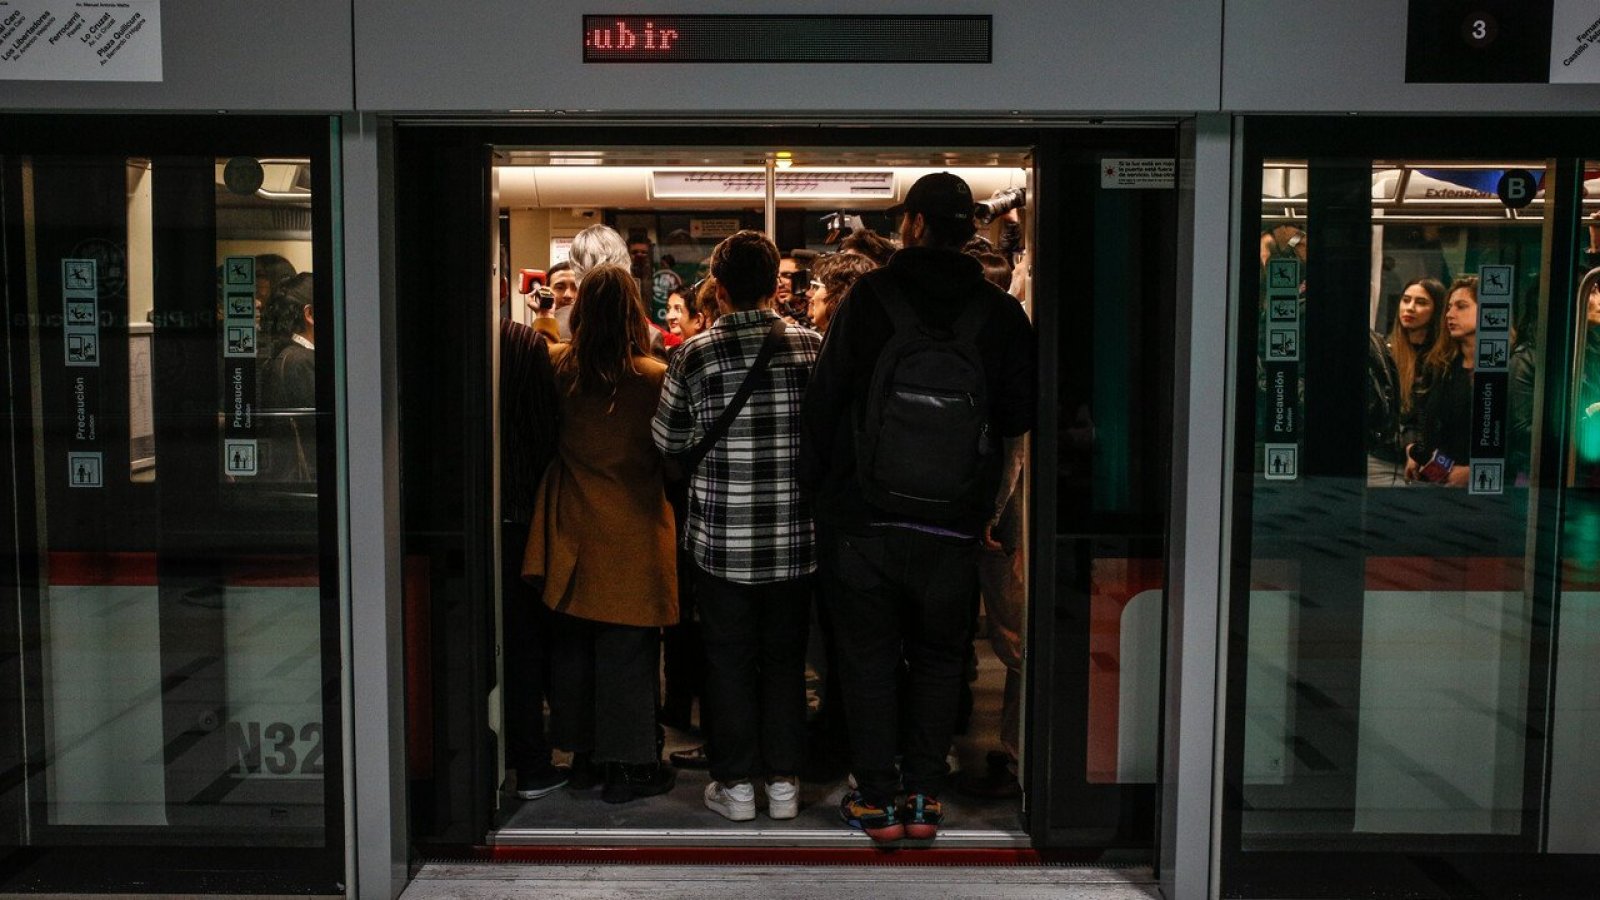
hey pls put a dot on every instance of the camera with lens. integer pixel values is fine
(533, 282)
(1002, 202)
(800, 281)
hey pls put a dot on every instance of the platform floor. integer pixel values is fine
(494, 881)
(679, 817)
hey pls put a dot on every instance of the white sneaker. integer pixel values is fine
(736, 803)
(783, 798)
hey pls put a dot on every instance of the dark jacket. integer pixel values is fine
(1383, 401)
(1447, 413)
(528, 418)
(937, 283)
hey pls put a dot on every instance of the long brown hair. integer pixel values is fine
(1445, 349)
(609, 329)
(1404, 352)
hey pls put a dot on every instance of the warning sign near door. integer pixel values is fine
(239, 367)
(1282, 461)
(1138, 173)
(1490, 378)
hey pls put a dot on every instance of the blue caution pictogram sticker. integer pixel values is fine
(241, 270)
(79, 277)
(1282, 462)
(1494, 282)
(241, 341)
(1283, 276)
(239, 457)
(1488, 477)
(84, 469)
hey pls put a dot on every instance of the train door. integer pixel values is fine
(1413, 634)
(477, 205)
(172, 716)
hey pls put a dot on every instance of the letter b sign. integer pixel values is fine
(1517, 187)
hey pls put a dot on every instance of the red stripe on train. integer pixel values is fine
(79, 569)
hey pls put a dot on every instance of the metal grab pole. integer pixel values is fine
(772, 197)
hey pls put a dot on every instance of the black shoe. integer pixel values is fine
(630, 782)
(693, 758)
(676, 713)
(585, 774)
(537, 781)
(998, 782)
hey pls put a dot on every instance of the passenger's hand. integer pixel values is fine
(1460, 476)
(1411, 465)
(989, 543)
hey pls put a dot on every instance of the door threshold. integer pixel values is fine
(734, 836)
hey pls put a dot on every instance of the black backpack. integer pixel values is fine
(923, 443)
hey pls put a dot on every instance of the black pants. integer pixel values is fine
(525, 626)
(755, 637)
(603, 682)
(900, 594)
(683, 651)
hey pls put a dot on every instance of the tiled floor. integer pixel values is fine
(490, 881)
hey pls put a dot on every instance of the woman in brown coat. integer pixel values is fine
(602, 543)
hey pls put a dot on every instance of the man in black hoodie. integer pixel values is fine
(902, 586)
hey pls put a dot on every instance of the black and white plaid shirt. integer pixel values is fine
(746, 520)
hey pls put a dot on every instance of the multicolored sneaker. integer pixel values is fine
(922, 817)
(881, 823)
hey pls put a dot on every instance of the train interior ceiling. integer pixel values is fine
(682, 202)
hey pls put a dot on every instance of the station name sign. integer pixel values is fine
(674, 38)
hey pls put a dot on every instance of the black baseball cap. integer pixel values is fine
(937, 195)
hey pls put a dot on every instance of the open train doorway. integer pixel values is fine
(487, 216)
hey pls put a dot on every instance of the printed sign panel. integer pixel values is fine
(80, 40)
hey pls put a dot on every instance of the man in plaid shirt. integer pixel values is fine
(747, 529)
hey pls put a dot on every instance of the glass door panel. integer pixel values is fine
(175, 600)
(1399, 715)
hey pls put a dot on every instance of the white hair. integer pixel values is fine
(596, 245)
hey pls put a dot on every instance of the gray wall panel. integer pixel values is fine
(1067, 56)
(1350, 56)
(224, 54)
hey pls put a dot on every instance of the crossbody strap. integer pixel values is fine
(720, 427)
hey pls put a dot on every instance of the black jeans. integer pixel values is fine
(683, 651)
(900, 594)
(603, 682)
(525, 626)
(755, 638)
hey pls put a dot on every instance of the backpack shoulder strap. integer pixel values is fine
(769, 347)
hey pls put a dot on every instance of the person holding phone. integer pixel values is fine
(1440, 452)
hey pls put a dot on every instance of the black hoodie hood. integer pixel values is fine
(937, 273)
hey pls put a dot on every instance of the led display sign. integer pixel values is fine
(635, 38)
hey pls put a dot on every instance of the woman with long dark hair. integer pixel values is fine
(1396, 381)
(1442, 444)
(602, 543)
(1416, 330)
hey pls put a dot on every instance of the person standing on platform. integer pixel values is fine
(601, 542)
(921, 396)
(528, 420)
(747, 530)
